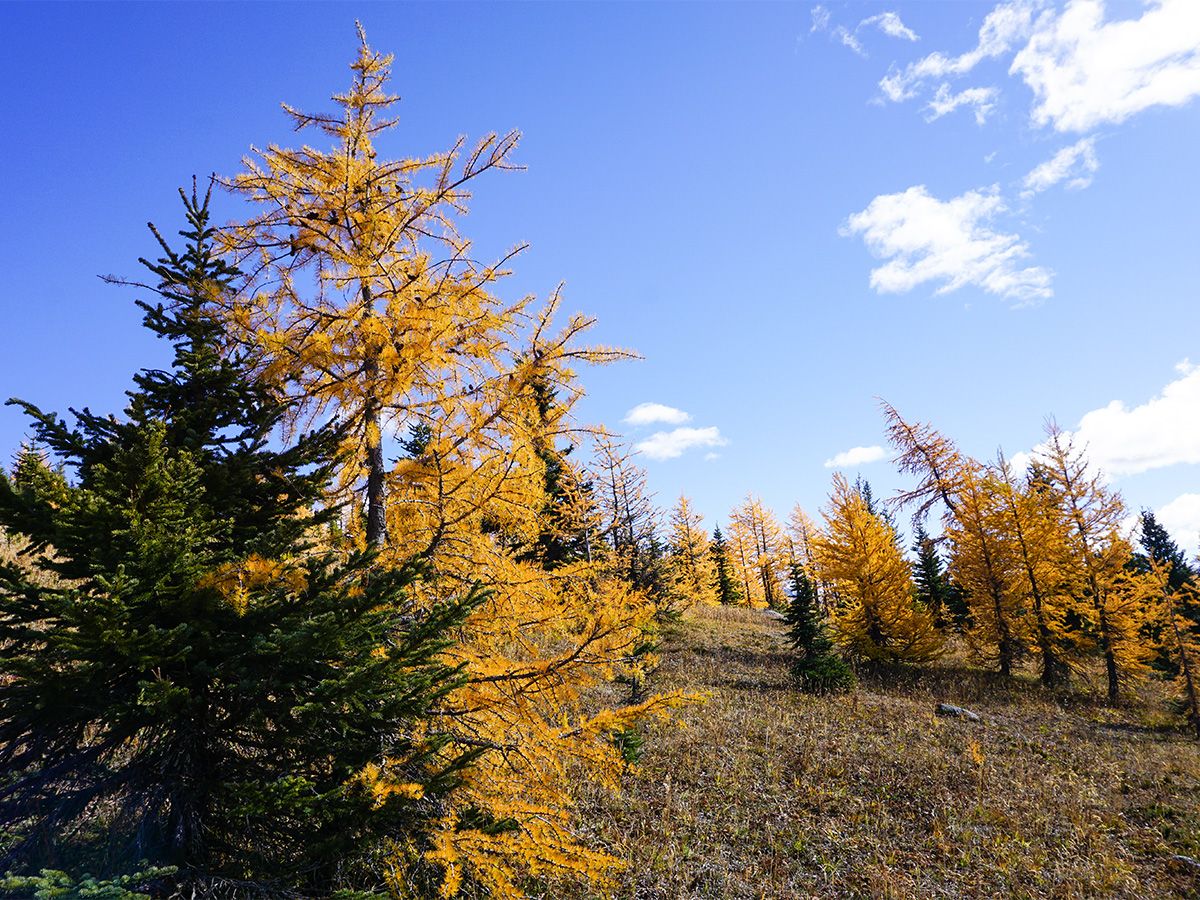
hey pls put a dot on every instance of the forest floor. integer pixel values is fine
(765, 792)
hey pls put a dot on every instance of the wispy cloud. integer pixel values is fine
(1085, 71)
(855, 456)
(1001, 29)
(820, 18)
(889, 23)
(663, 445)
(981, 99)
(946, 242)
(849, 39)
(1076, 164)
(652, 413)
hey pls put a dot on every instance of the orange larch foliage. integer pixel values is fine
(365, 303)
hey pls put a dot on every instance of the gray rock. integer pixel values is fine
(774, 614)
(957, 712)
(1187, 862)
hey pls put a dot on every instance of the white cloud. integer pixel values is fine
(1078, 163)
(820, 18)
(849, 39)
(855, 456)
(889, 23)
(651, 413)
(1120, 440)
(1003, 26)
(982, 99)
(924, 239)
(1019, 462)
(671, 444)
(709, 457)
(1181, 518)
(1163, 431)
(1085, 71)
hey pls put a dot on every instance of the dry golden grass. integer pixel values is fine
(770, 793)
(12, 551)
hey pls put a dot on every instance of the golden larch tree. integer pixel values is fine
(765, 549)
(1167, 608)
(925, 453)
(629, 519)
(983, 561)
(689, 557)
(1095, 550)
(800, 536)
(1033, 522)
(743, 554)
(364, 302)
(874, 611)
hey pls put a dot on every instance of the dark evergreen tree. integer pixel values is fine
(862, 487)
(648, 572)
(563, 538)
(206, 684)
(727, 589)
(817, 666)
(1158, 545)
(934, 588)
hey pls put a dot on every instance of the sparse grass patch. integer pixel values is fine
(767, 792)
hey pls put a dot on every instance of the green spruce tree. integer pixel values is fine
(727, 588)
(206, 684)
(1158, 545)
(563, 539)
(1182, 593)
(817, 666)
(933, 584)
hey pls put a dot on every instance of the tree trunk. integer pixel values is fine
(1005, 642)
(376, 472)
(1110, 666)
(1110, 659)
(376, 477)
(1054, 670)
(1188, 676)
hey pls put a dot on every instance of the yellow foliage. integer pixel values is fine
(364, 302)
(1033, 522)
(1180, 634)
(1097, 554)
(760, 551)
(1033, 557)
(985, 562)
(873, 611)
(689, 560)
(236, 580)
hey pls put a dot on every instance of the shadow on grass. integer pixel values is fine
(759, 685)
(745, 656)
(966, 685)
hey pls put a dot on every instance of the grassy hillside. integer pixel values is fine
(769, 793)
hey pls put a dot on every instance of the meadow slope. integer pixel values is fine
(765, 792)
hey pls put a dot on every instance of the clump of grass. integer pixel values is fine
(768, 792)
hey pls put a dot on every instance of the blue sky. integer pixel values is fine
(985, 213)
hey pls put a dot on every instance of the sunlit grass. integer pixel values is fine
(771, 793)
